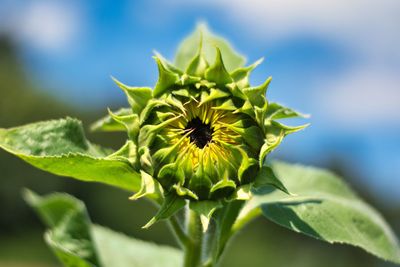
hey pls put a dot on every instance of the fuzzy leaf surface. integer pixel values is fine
(70, 236)
(325, 208)
(79, 243)
(60, 147)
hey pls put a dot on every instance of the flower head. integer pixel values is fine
(203, 132)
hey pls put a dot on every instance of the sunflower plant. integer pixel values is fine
(197, 147)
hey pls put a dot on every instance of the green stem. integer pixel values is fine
(193, 249)
(204, 249)
(179, 233)
(210, 245)
(226, 220)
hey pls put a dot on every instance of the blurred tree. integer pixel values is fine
(19, 103)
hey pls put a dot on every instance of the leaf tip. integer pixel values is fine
(135, 197)
(150, 223)
(29, 196)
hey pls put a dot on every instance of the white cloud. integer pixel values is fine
(364, 97)
(370, 27)
(46, 25)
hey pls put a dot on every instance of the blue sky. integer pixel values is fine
(338, 60)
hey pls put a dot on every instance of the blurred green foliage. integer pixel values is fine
(21, 242)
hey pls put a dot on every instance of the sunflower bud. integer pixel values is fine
(203, 132)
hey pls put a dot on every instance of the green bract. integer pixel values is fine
(203, 132)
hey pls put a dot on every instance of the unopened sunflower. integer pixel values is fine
(202, 134)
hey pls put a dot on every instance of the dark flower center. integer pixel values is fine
(201, 133)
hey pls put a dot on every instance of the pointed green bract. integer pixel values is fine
(256, 95)
(126, 152)
(149, 188)
(184, 192)
(172, 204)
(199, 64)
(212, 95)
(205, 209)
(275, 134)
(137, 96)
(166, 78)
(167, 64)
(266, 178)
(130, 122)
(108, 124)
(241, 75)
(189, 48)
(217, 72)
(277, 111)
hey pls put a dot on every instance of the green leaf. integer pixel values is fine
(325, 208)
(108, 124)
(77, 242)
(70, 236)
(60, 147)
(119, 250)
(189, 48)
